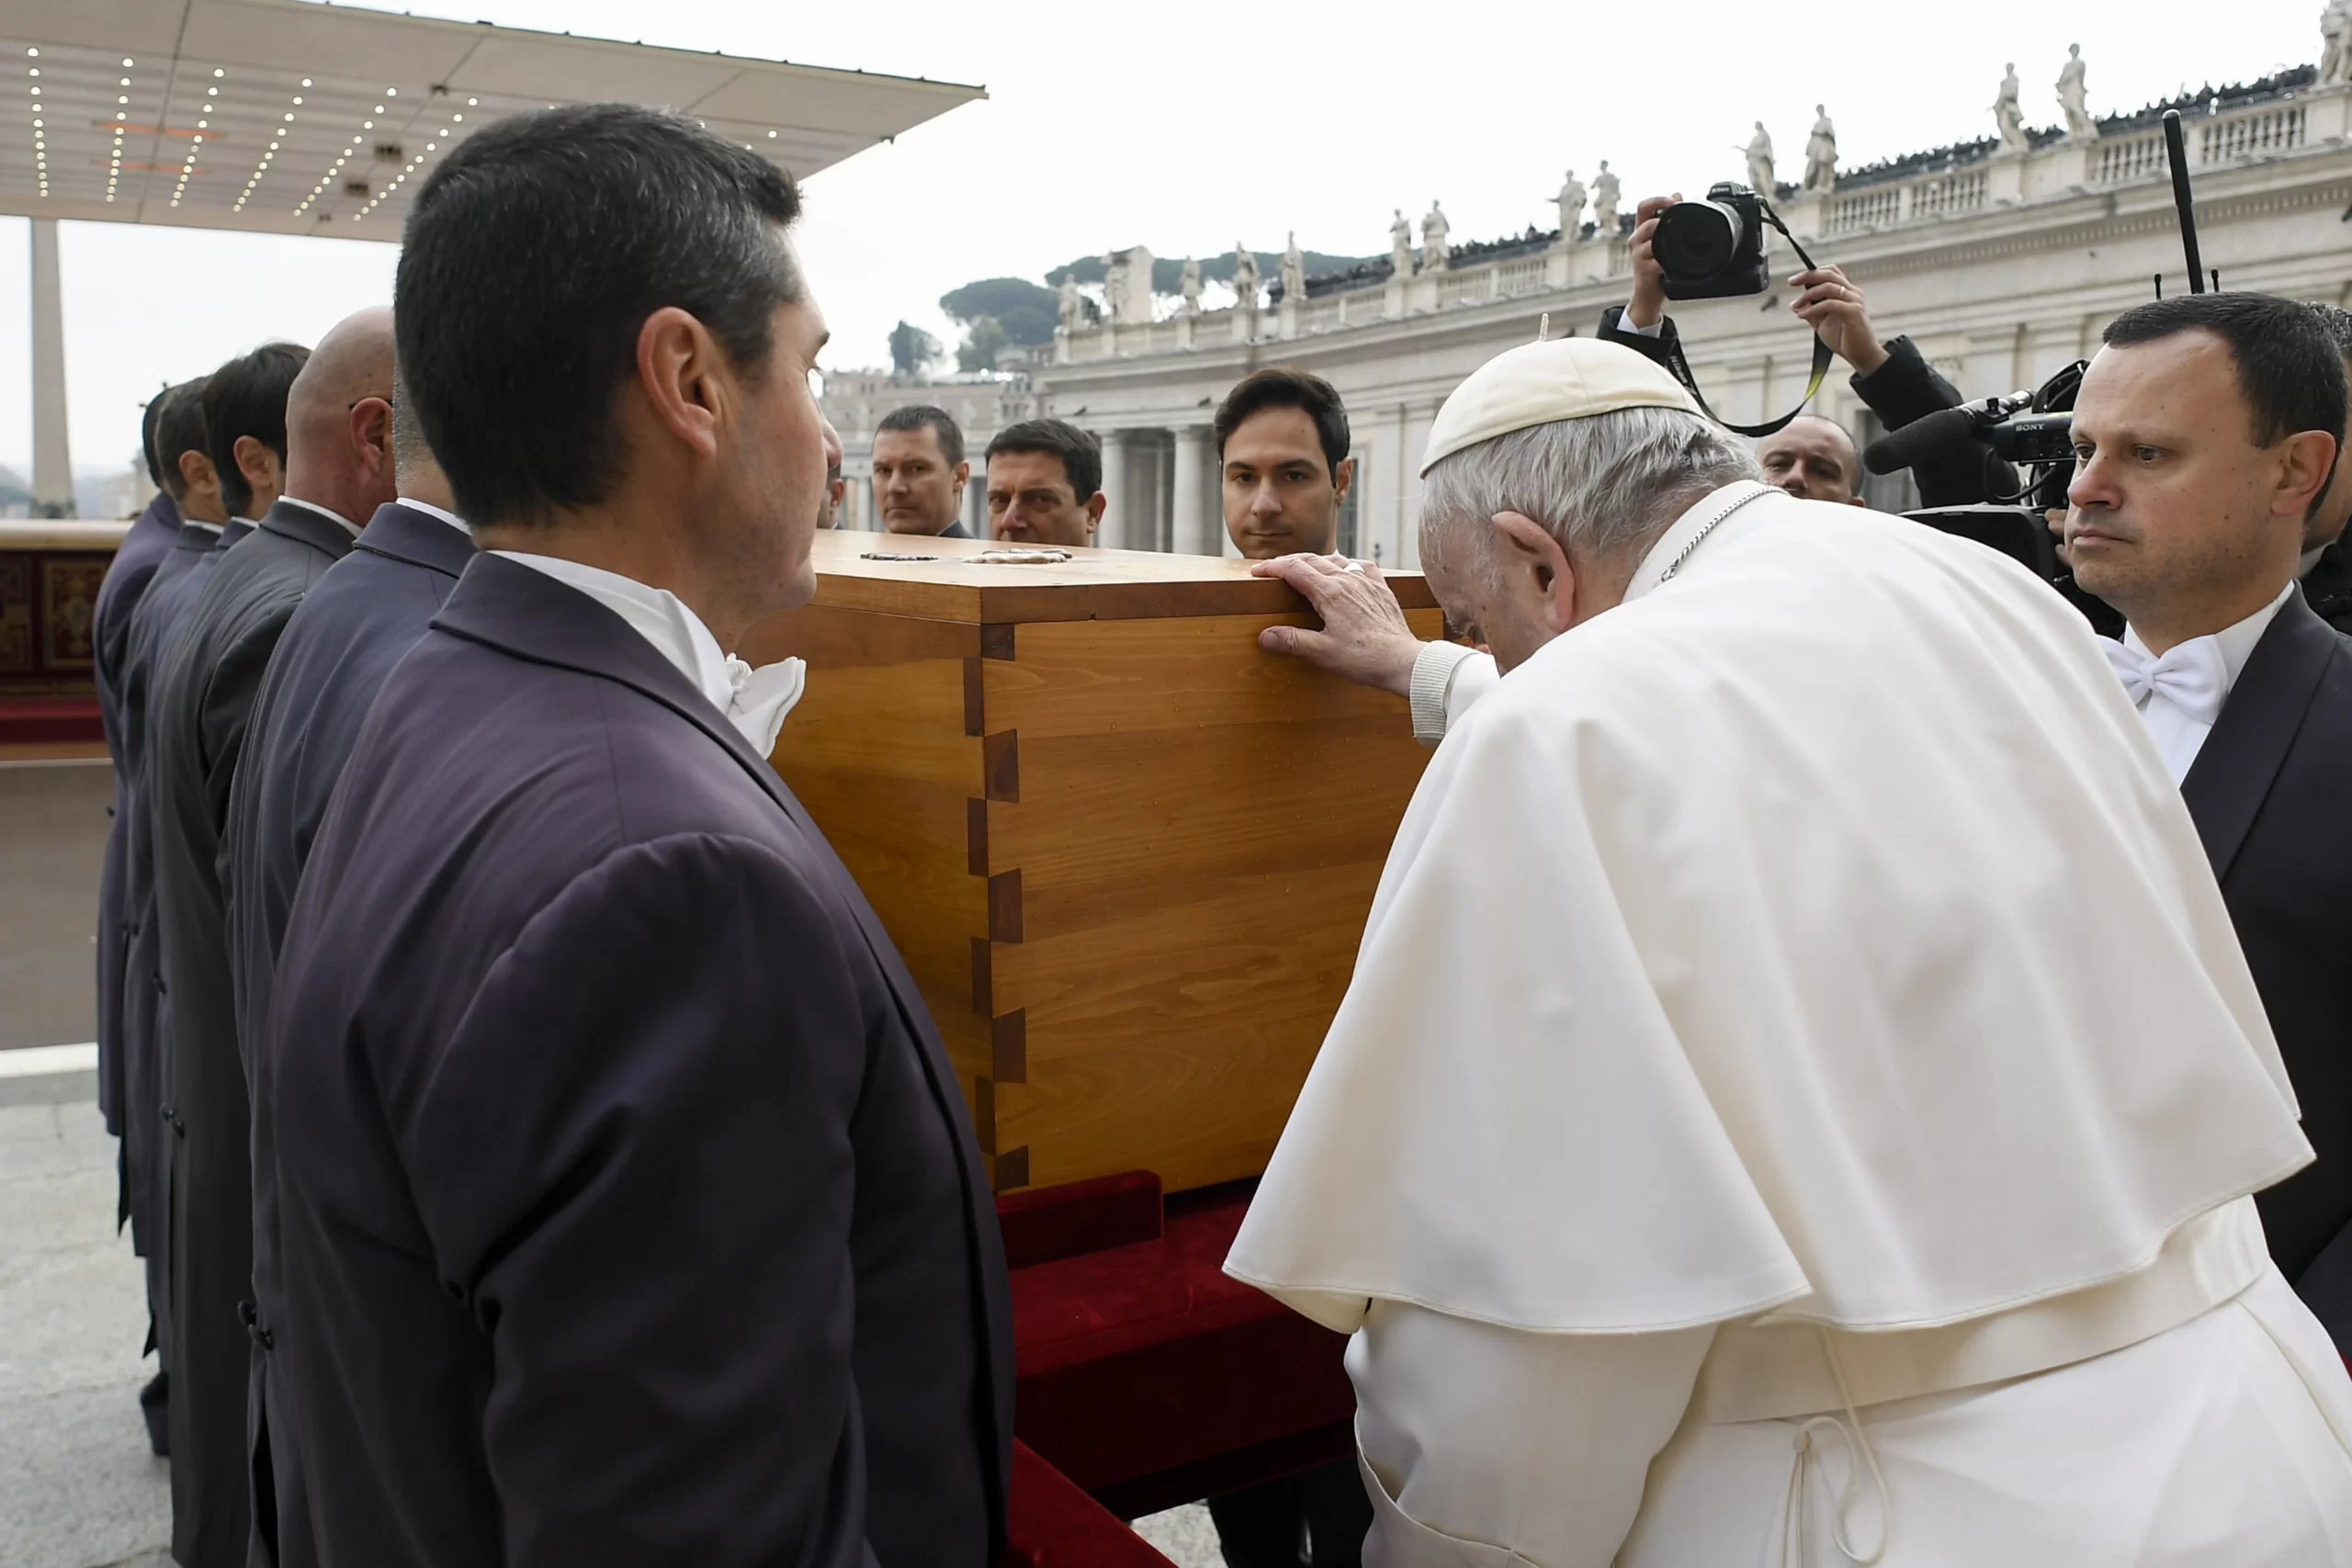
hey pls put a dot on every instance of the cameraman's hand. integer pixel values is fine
(1832, 305)
(1364, 637)
(1647, 307)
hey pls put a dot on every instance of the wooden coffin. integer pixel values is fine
(1127, 854)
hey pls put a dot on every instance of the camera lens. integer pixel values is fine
(1695, 239)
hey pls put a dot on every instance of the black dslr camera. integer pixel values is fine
(1712, 249)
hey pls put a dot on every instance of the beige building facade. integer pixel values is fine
(2004, 264)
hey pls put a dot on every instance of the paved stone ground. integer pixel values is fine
(77, 1485)
(78, 1488)
(52, 841)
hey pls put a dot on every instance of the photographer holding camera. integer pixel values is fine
(1891, 376)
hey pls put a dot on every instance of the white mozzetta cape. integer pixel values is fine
(1815, 930)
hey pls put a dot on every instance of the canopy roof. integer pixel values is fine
(297, 118)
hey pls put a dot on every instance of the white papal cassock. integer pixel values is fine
(1796, 1102)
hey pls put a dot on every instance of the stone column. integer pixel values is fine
(53, 458)
(1194, 528)
(976, 499)
(1116, 533)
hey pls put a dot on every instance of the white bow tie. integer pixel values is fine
(2191, 675)
(762, 697)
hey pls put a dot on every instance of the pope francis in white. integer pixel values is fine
(1799, 1091)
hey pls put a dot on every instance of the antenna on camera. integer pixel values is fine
(2177, 154)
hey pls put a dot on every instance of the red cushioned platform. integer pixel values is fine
(1056, 1524)
(1148, 1377)
(40, 719)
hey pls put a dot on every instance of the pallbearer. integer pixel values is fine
(626, 1209)
(1799, 1093)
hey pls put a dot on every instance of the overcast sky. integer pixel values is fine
(1189, 128)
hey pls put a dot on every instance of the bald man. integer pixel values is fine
(338, 468)
(1813, 460)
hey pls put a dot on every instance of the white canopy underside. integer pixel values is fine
(292, 116)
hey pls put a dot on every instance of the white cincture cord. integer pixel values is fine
(1858, 1444)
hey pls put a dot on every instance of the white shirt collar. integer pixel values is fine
(451, 518)
(2235, 642)
(348, 526)
(211, 528)
(754, 701)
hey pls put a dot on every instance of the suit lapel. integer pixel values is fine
(2236, 767)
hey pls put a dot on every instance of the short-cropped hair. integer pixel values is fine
(938, 421)
(1287, 387)
(2290, 369)
(179, 427)
(247, 397)
(2336, 322)
(533, 255)
(1082, 454)
(149, 417)
(1605, 487)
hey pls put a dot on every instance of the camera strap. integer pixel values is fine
(1681, 367)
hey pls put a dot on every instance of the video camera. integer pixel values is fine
(2034, 431)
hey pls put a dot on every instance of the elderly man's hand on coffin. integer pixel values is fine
(1364, 637)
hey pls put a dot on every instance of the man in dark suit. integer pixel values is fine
(365, 613)
(149, 626)
(2206, 432)
(627, 1210)
(142, 549)
(921, 473)
(337, 423)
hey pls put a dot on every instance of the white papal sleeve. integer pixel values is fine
(1447, 679)
(1488, 1446)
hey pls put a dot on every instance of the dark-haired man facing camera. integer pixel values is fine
(1282, 452)
(626, 1209)
(920, 472)
(2205, 434)
(1045, 484)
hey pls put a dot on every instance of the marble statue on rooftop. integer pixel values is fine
(1244, 278)
(1293, 272)
(1605, 193)
(1435, 252)
(1190, 287)
(1571, 200)
(1760, 174)
(2072, 97)
(1073, 308)
(1400, 245)
(1821, 153)
(2335, 42)
(2008, 117)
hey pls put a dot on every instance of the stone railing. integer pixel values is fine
(2258, 132)
(2052, 171)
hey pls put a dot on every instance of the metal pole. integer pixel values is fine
(2177, 154)
(52, 458)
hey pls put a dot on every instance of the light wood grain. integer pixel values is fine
(1092, 585)
(1128, 865)
(47, 534)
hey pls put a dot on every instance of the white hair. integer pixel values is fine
(1605, 486)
